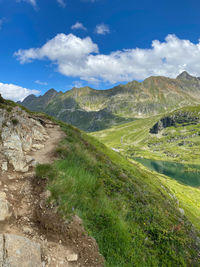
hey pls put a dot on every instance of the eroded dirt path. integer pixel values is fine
(46, 154)
(62, 243)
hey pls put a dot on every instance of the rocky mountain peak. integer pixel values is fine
(51, 92)
(28, 99)
(185, 76)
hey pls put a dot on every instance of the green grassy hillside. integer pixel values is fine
(180, 142)
(131, 212)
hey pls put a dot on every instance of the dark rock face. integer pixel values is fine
(2, 101)
(179, 118)
(185, 76)
(161, 124)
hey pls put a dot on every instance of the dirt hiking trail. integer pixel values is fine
(33, 221)
(46, 154)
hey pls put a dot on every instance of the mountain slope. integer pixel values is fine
(174, 136)
(133, 214)
(83, 107)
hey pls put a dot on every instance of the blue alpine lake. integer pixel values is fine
(174, 170)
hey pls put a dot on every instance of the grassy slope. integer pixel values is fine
(188, 197)
(128, 209)
(180, 144)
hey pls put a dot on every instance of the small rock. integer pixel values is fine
(11, 177)
(27, 230)
(38, 146)
(33, 163)
(71, 256)
(29, 159)
(4, 166)
(4, 207)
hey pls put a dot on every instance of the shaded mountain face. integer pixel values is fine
(93, 110)
(2, 101)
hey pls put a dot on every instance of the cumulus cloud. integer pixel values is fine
(15, 92)
(78, 26)
(78, 57)
(61, 49)
(32, 2)
(41, 83)
(61, 3)
(102, 29)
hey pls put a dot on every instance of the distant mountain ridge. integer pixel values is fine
(93, 110)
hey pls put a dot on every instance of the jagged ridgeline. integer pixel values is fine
(93, 110)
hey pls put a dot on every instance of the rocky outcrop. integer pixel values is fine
(161, 124)
(18, 251)
(19, 134)
(181, 118)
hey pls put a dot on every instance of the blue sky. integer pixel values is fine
(64, 43)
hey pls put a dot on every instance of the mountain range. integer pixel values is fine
(93, 110)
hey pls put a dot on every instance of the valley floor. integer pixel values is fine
(178, 144)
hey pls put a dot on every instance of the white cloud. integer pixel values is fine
(32, 2)
(102, 29)
(41, 83)
(15, 92)
(61, 3)
(78, 25)
(61, 49)
(78, 57)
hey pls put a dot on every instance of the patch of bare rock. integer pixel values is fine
(20, 134)
(19, 251)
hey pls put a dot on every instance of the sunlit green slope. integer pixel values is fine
(130, 211)
(179, 141)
